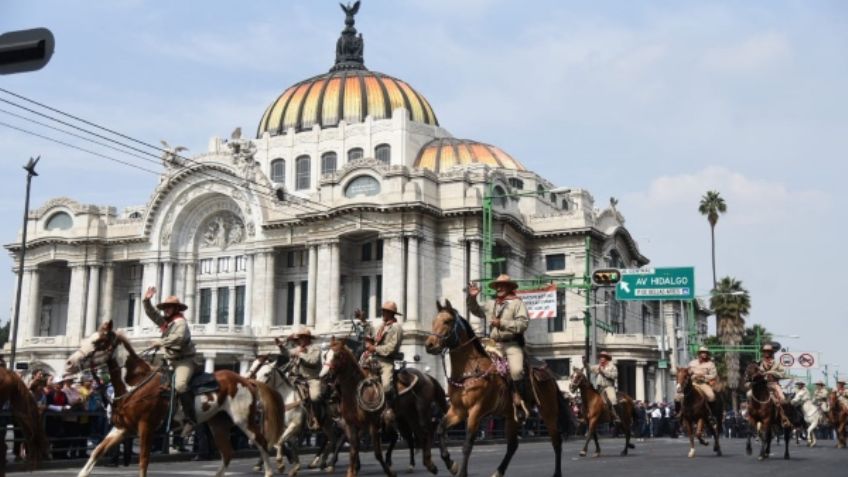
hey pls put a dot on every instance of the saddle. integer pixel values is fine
(405, 380)
(534, 367)
(202, 382)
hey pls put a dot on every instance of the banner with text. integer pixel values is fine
(540, 303)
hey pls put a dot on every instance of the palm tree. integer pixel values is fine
(731, 303)
(712, 205)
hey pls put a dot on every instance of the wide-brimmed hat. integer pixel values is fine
(391, 307)
(800, 384)
(503, 279)
(840, 381)
(604, 353)
(298, 332)
(704, 349)
(819, 383)
(172, 301)
(767, 347)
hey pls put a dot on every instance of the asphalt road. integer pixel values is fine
(657, 457)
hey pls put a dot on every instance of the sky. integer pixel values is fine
(653, 103)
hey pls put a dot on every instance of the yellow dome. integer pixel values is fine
(441, 154)
(348, 95)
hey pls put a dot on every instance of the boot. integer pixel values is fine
(518, 394)
(187, 403)
(615, 419)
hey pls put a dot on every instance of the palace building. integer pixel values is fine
(352, 193)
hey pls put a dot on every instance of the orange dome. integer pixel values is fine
(441, 154)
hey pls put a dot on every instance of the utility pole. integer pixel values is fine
(30, 168)
(587, 284)
(664, 372)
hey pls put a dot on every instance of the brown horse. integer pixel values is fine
(142, 410)
(697, 412)
(342, 368)
(838, 417)
(25, 415)
(763, 415)
(595, 410)
(477, 388)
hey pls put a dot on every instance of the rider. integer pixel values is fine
(606, 374)
(306, 364)
(801, 396)
(508, 319)
(179, 350)
(820, 396)
(842, 394)
(704, 373)
(774, 372)
(384, 346)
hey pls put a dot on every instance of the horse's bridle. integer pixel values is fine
(453, 335)
(108, 347)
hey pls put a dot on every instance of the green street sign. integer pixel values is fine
(676, 283)
(662, 364)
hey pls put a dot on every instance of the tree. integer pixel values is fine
(731, 303)
(712, 205)
(4, 333)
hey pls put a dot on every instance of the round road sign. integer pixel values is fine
(806, 360)
(787, 359)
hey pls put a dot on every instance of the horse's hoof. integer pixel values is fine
(691, 453)
(786, 457)
(454, 468)
(316, 462)
(330, 469)
(294, 470)
(257, 468)
(631, 446)
(596, 455)
(582, 453)
(623, 453)
(497, 474)
(410, 469)
(760, 458)
(433, 469)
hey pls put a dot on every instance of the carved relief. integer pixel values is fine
(222, 230)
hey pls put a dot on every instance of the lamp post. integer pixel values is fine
(30, 168)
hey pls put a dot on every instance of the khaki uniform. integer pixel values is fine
(605, 377)
(176, 344)
(801, 396)
(387, 343)
(307, 364)
(704, 375)
(514, 322)
(820, 398)
(774, 373)
(842, 397)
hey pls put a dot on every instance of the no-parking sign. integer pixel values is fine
(799, 359)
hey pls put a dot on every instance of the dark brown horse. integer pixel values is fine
(144, 409)
(838, 417)
(696, 412)
(476, 389)
(763, 415)
(595, 412)
(25, 415)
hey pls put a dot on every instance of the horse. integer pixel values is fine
(838, 418)
(813, 417)
(144, 408)
(25, 415)
(478, 386)
(696, 411)
(763, 414)
(342, 368)
(595, 412)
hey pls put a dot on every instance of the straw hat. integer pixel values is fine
(800, 384)
(172, 301)
(840, 381)
(819, 383)
(300, 331)
(604, 353)
(503, 279)
(704, 349)
(391, 307)
(768, 347)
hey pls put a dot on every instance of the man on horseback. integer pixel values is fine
(178, 348)
(841, 394)
(306, 365)
(384, 346)
(606, 374)
(704, 375)
(801, 396)
(508, 320)
(820, 396)
(774, 372)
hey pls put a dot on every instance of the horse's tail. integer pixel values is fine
(273, 410)
(439, 396)
(566, 422)
(26, 415)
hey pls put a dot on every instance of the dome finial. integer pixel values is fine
(349, 46)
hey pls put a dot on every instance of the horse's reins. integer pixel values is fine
(448, 347)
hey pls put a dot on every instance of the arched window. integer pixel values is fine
(516, 183)
(278, 170)
(499, 196)
(302, 167)
(135, 215)
(564, 204)
(540, 191)
(383, 153)
(328, 162)
(354, 154)
(59, 221)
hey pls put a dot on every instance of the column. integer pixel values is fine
(107, 295)
(335, 281)
(393, 272)
(209, 362)
(93, 299)
(269, 286)
(33, 315)
(312, 282)
(297, 303)
(149, 277)
(231, 307)
(412, 260)
(76, 302)
(658, 385)
(167, 279)
(213, 315)
(640, 380)
(248, 292)
(190, 292)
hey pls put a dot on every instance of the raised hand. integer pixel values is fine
(149, 293)
(473, 290)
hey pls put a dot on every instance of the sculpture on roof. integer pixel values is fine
(171, 158)
(349, 47)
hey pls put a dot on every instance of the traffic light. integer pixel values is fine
(25, 50)
(606, 277)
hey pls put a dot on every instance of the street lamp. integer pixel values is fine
(30, 168)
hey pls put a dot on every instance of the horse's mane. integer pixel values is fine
(470, 331)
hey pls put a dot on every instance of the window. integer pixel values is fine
(500, 251)
(354, 154)
(135, 272)
(290, 259)
(240, 305)
(278, 170)
(555, 262)
(328, 163)
(379, 250)
(560, 366)
(365, 296)
(206, 266)
(540, 191)
(646, 317)
(304, 301)
(379, 291)
(564, 204)
(205, 305)
(223, 264)
(383, 153)
(135, 215)
(516, 183)
(557, 323)
(366, 252)
(302, 165)
(290, 304)
(223, 305)
(362, 185)
(59, 221)
(499, 196)
(130, 309)
(241, 263)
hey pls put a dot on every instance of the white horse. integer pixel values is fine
(813, 416)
